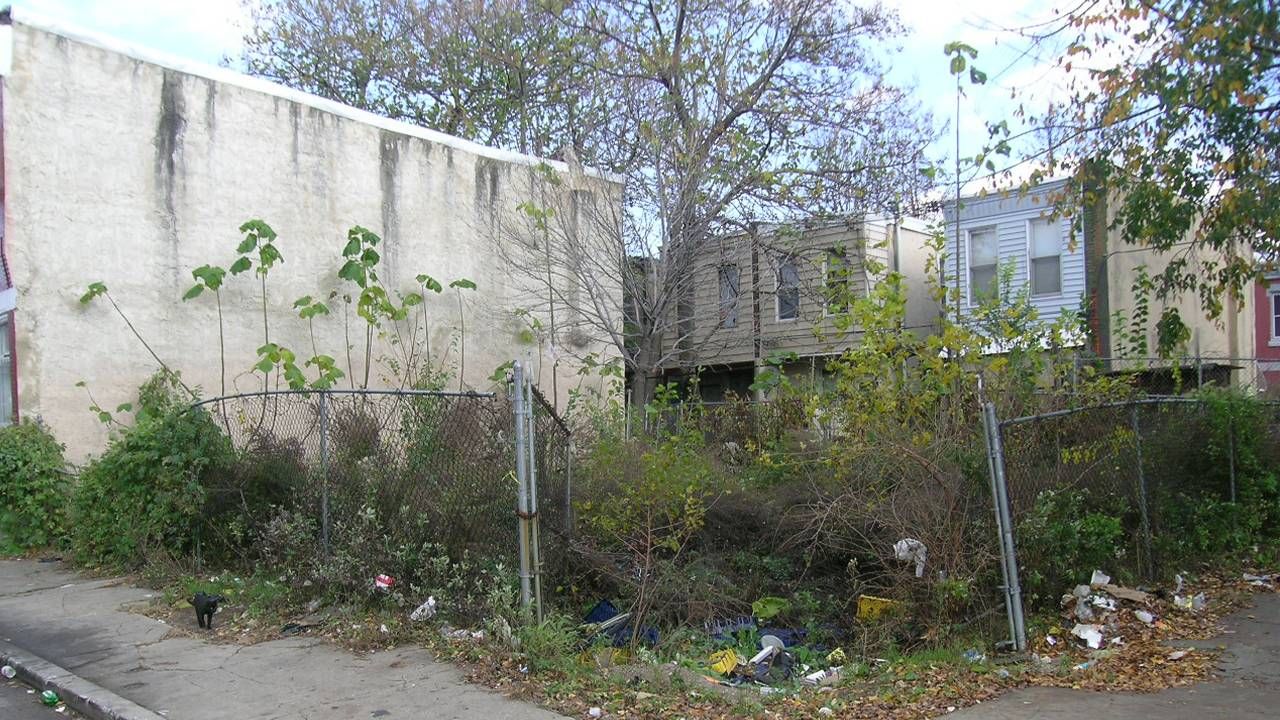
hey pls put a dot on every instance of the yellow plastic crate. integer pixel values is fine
(871, 607)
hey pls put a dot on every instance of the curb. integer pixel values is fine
(91, 700)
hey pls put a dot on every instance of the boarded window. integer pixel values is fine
(729, 285)
(984, 259)
(788, 289)
(1046, 257)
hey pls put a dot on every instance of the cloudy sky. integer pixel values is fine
(209, 30)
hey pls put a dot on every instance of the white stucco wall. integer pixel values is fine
(133, 173)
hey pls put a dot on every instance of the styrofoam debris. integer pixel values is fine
(1105, 603)
(1090, 634)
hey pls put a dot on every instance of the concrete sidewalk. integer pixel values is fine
(79, 624)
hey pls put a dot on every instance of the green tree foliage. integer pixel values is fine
(33, 487)
(499, 73)
(1178, 101)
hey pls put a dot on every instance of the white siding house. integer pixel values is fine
(1012, 229)
(1070, 264)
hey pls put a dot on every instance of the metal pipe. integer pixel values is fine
(340, 391)
(568, 487)
(1002, 487)
(988, 433)
(1157, 400)
(535, 550)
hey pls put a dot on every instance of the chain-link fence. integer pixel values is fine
(432, 466)
(742, 422)
(553, 474)
(1174, 375)
(1139, 486)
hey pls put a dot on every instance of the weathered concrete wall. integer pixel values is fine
(132, 173)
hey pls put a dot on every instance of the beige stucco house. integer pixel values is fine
(766, 298)
(129, 168)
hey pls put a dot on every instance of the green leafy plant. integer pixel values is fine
(34, 487)
(458, 286)
(550, 644)
(209, 277)
(1062, 540)
(260, 239)
(146, 492)
(769, 607)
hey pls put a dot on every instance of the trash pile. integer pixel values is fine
(1128, 630)
(1100, 611)
(783, 658)
(605, 620)
(775, 664)
(1266, 582)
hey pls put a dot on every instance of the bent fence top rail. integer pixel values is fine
(347, 391)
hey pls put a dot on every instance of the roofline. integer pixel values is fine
(808, 226)
(266, 87)
(993, 194)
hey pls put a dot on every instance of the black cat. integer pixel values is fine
(206, 606)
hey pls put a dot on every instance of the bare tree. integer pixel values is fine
(725, 113)
(717, 114)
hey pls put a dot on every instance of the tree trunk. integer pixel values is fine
(645, 373)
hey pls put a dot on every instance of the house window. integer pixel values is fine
(729, 284)
(788, 289)
(836, 282)
(1274, 296)
(1046, 257)
(984, 259)
(6, 372)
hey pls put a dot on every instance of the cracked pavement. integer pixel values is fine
(80, 624)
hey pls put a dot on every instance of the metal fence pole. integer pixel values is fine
(522, 497)
(1004, 523)
(568, 487)
(324, 473)
(535, 551)
(1142, 493)
(1004, 567)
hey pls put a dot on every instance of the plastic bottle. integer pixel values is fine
(49, 697)
(8, 672)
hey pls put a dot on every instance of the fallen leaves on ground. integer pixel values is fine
(1147, 660)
